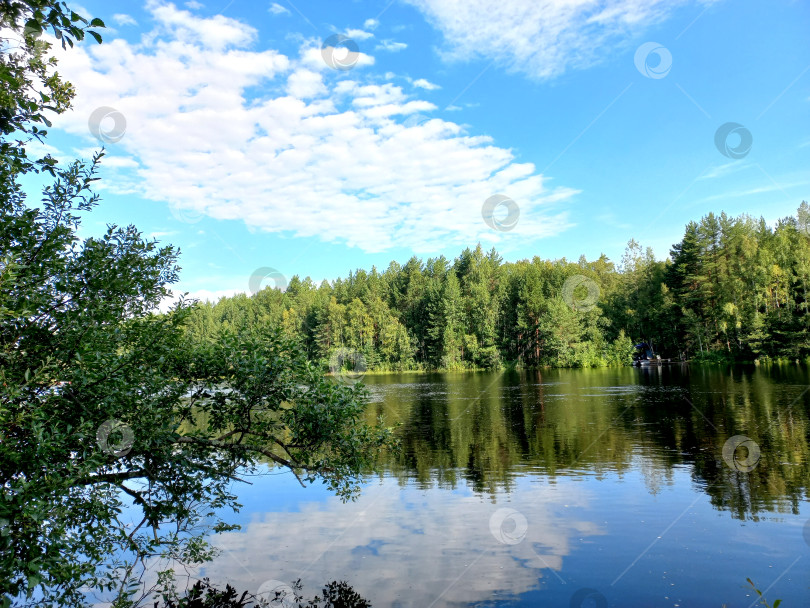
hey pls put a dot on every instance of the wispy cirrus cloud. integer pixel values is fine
(780, 187)
(541, 39)
(277, 9)
(391, 45)
(725, 169)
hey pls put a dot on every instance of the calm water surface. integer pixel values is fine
(584, 488)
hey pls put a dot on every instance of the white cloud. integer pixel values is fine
(37, 149)
(288, 145)
(277, 9)
(194, 5)
(391, 45)
(217, 32)
(122, 19)
(405, 543)
(358, 34)
(371, 24)
(304, 84)
(424, 84)
(312, 57)
(118, 162)
(542, 39)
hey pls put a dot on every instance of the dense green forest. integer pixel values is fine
(731, 289)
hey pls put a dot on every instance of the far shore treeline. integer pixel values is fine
(733, 289)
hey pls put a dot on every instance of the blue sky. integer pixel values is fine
(243, 146)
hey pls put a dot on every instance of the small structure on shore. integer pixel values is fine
(645, 356)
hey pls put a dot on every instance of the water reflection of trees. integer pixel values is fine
(486, 429)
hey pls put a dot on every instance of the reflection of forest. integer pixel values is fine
(488, 428)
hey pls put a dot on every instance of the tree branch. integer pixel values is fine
(249, 448)
(114, 478)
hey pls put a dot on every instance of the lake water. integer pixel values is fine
(569, 488)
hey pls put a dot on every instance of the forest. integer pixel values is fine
(733, 289)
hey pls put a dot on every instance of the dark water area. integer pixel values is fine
(588, 488)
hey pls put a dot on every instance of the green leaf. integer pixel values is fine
(6, 76)
(95, 35)
(33, 26)
(97, 23)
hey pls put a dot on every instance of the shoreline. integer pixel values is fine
(505, 368)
